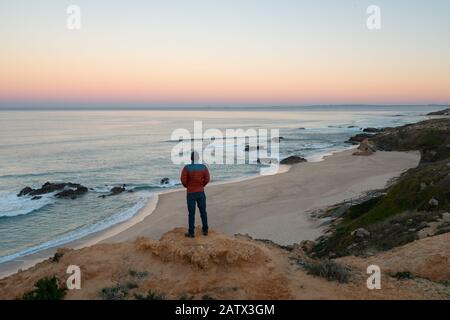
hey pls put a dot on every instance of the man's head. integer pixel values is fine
(194, 156)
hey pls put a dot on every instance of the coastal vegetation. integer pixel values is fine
(47, 288)
(417, 198)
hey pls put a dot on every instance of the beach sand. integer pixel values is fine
(274, 207)
(267, 207)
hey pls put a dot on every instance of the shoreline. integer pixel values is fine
(31, 259)
(127, 230)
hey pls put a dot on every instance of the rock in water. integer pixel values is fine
(68, 190)
(165, 181)
(372, 130)
(445, 112)
(293, 160)
(24, 191)
(117, 190)
(72, 193)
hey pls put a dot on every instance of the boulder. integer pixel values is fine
(293, 160)
(117, 190)
(36, 198)
(164, 181)
(358, 138)
(114, 191)
(72, 193)
(307, 245)
(24, 191)
(433, 202)
(365, 149)
(445, 112)
(360, 233)
(49, 187)
(372, 130)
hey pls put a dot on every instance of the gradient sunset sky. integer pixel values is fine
(233, 52)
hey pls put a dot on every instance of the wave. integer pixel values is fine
(152, 186)
(318, 157)
(84, 231)
(11, 205)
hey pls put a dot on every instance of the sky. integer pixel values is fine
(228, 53)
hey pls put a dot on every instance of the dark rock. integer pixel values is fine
(165, 181)
(365, 149)
(24, 191)
(72, 193)
(357, 139)
(372, 130)
(307, 245)
(117, 190)
(445, 112)
(293, 160)
(36, 198)
(384, 147)
(67, 190)
(351, 127)
(114, 191)
(301, 128)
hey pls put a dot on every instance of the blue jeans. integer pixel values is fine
(198, 198)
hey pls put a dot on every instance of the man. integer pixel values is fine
(195, 177)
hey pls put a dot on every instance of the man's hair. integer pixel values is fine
(194, 156)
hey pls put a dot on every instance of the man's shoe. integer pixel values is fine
(189, 235)
(205, 233)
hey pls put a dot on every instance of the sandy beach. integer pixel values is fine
(274, 207)
(267, 207)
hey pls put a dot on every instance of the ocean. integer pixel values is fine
(101, 149)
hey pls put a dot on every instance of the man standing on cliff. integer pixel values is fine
(195, 177)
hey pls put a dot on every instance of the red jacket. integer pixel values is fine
(195, 177)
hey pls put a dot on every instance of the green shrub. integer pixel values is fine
(404, 275)
(116, 292)
(329, 270)
(132, 285)
(138, 274)
(151, 295)
(46, 289)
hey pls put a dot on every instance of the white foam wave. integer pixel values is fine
(11, 205)
(87, 230)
